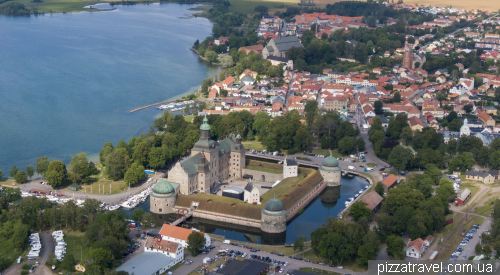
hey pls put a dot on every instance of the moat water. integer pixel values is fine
(68, 81)
(313, 217)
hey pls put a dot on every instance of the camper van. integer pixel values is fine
(351, 168)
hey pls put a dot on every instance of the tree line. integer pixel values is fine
(105, 234)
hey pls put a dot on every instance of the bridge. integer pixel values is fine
(182, 216)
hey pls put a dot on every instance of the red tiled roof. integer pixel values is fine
(390, 180)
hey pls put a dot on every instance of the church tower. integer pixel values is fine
(408, 59)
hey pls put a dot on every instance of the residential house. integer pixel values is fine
(483, 176)
(415, 249)
(335, 103)
(491, 111)
(416, 124)
(486, 119)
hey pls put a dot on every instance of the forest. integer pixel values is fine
(105, 234)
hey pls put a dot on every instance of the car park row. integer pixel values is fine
(461, 247)
(60, 247)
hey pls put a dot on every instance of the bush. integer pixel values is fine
(24, 272)
(26, 266)
(301, 210)
(293, 151)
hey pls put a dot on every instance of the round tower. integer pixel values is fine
(163, 198)
(273, 218)
(331, 171)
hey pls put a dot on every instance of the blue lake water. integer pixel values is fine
(68, 81)
(314, 215)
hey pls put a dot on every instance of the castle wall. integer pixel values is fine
(306, 199)
(273, 224)
(226, 218)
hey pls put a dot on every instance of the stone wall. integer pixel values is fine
(257, 176)
(331, 176)
(305, 200)
(226, 218)
(273, 224)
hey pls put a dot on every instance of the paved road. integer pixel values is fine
(485, 226)
(47, 249)
(110, 199)
(292, 263)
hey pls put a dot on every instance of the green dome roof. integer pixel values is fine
(205, 125)
(330, 162)
(238, 136)
(274, 205)
(163, 187)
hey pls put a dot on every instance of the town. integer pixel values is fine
(328, 139)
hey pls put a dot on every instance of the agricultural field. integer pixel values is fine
(491, 5)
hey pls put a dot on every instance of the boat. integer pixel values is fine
(348, 201)
(113, 207)
(361, 191)
(357, 195)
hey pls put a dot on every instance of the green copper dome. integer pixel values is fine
(238, 136)
(330, 162)
(205, 125)
(163, 187)
(274, 205)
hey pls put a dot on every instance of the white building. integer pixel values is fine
(464, 130)
(290, 168)
(170, 249)
(180, 235)
(252, 194)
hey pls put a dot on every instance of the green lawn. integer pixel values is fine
(324, 152)
(335, 153)
(189, 118)
(76, 246)
(304, 158)
(257, 146)
(243, 6)
(264, 169)
(371, 165)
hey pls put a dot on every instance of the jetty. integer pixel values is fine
(152, 105)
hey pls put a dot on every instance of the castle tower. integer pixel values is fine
(204, 178)
(204, 143)
(237, 162)
(163, 197)
(273, 217)
(331, 171)
(408, 59)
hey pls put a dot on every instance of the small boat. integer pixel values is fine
(361, 191)
(357, 195)
(113, 207)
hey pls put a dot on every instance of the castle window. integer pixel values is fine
(160, 210)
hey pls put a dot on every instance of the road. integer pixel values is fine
(292, 263)
(110, 199)
(47, 249)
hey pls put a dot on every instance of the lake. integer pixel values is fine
(68, 81)
(304, 224)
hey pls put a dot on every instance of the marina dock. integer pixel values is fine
(152, 105)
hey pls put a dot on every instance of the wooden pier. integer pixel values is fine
(152, 105)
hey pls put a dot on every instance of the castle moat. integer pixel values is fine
(329, 203)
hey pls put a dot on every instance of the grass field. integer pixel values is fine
(99, 183)
(257, 146)
(491, 5)
(76, 246)
(324, 152)
(371, 165)
(264, 169)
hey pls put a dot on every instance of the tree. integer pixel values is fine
(478, 249)
(21, 177)
(261, 9)
(116, 165)
(396, 97)
(360, 142)
(298, 245)
(378, 107)
(13, 171)
(30, 171)
(366, 252)
(107, 148)
(468, 108)
(42, 164)
(134, 174)
(68, 263)
(196, 242)
(137, 215)
(56, 173)
(395, 247)
(359, 210)
(226, 60)
(78, 167)
(147, 220)
(1, 174)
(100, 257)
(399, 157)
(12, 194)
(211, 56)
(379, 188)
(347, 145)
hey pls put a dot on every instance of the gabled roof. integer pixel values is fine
(372, 200)
(418, 244)
(285, 43)
(390, 180)
(176, 232)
